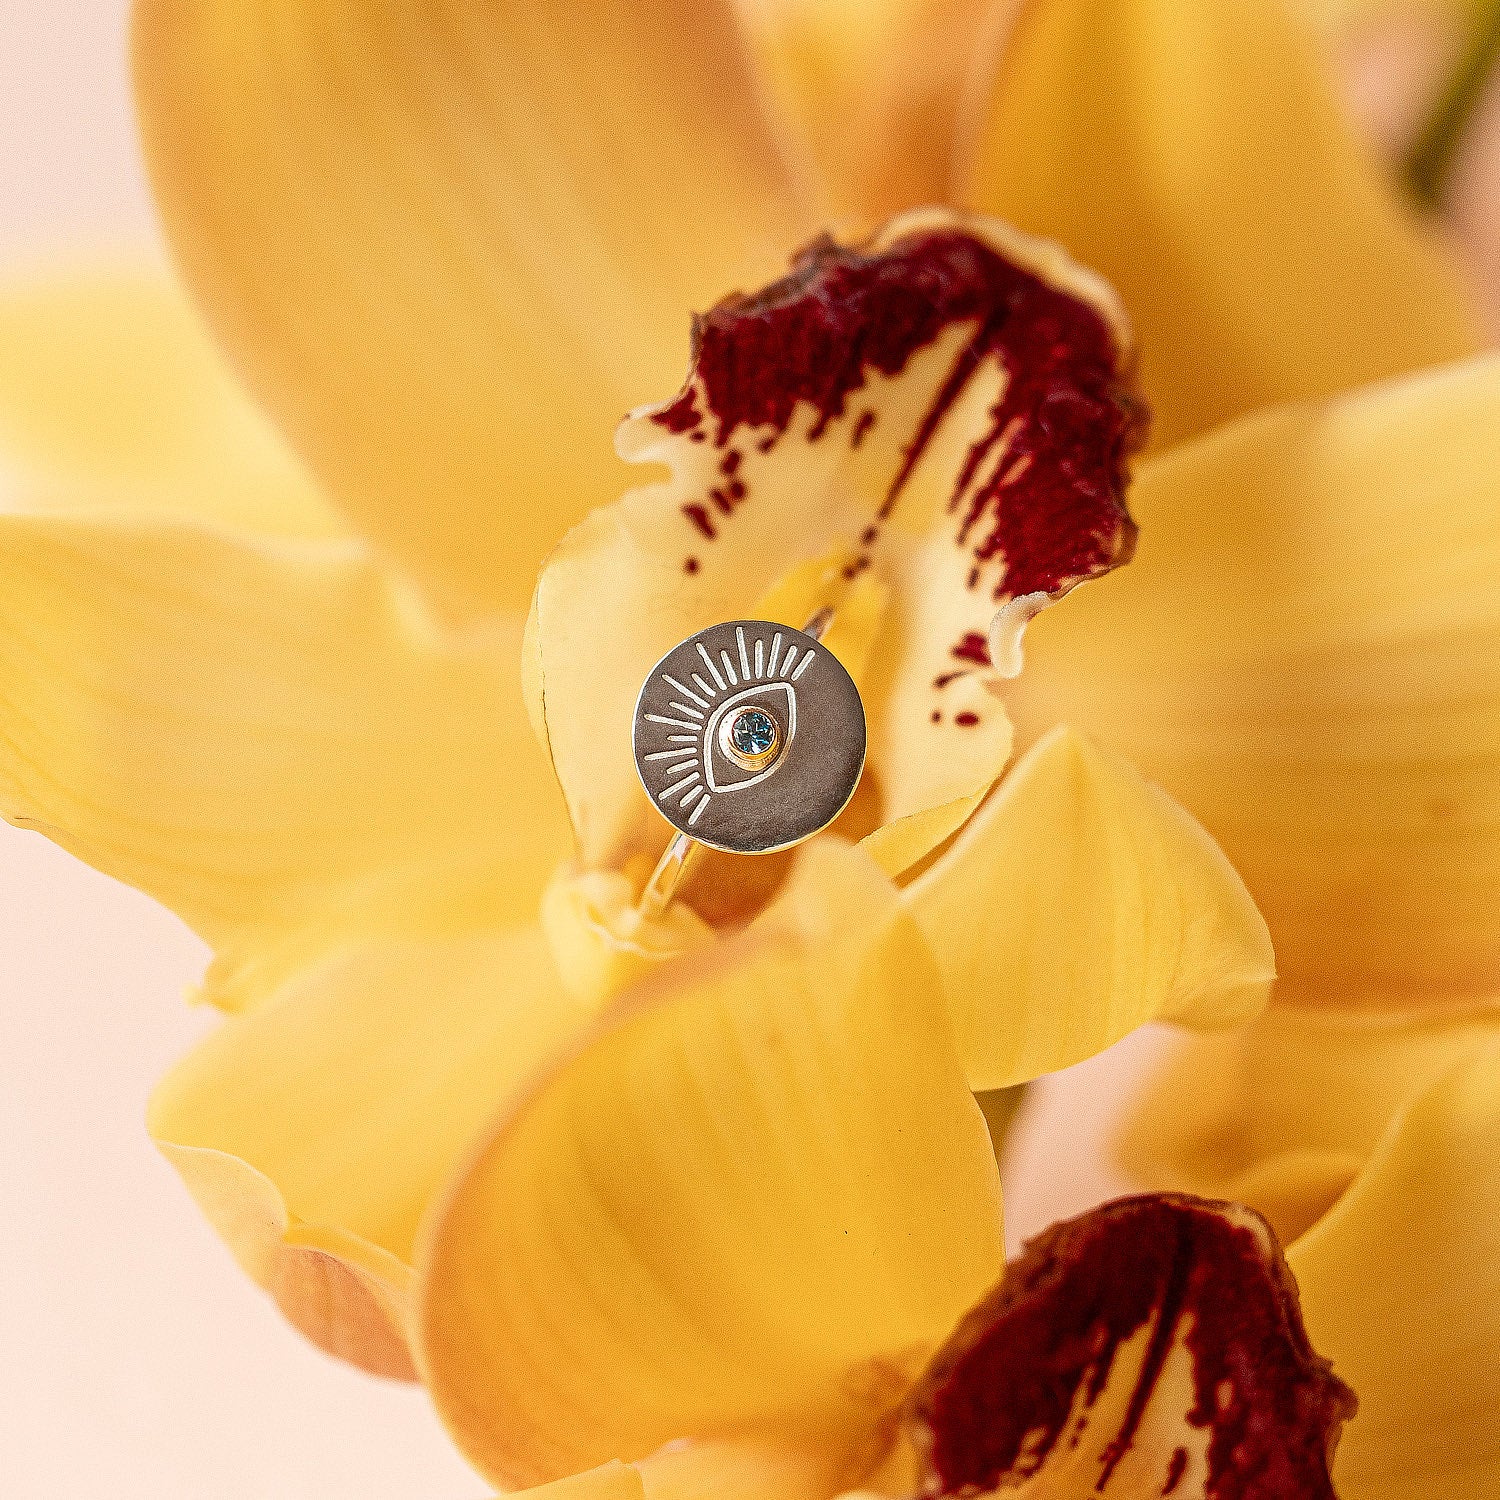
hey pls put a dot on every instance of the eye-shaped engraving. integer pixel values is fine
(747, 736)
(726, 712)
(704, 765)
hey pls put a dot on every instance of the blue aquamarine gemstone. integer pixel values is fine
(754, 732)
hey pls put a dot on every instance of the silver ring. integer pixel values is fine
(750, 737)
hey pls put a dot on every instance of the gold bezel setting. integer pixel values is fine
(751, 760)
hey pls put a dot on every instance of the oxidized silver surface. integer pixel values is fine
(685, 750)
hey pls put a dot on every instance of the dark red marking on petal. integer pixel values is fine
(730, 463)
(970, 357)
(973, 647)
(1039, 500)
(699, 516)
(861, 427)
(691, 565)
(1168, 1314)
(966, 720)
(683, 414)
(1175, 1470)
(996, 1400)
(937, 717)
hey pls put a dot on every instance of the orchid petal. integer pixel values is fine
(1307, 654)
(1283, 1114)
(1295, 1189)
(1374, 1139)
(872, 89)
(344, 1293)
(900, 847)
(1196, 155)
(448, 244)
(739, 1208)
(111, 395)
(945, 411)
(265, 736)
(1151, 1347)
(611, 1481)
(776, 1466)
(1401, 1286)
(601, 940)
(316, 1130)
(1078, 903)
(736, 1469)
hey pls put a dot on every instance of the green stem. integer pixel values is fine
(1431, 159)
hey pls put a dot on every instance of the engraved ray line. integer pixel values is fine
(733, 680)
(698, 811)
(760, 657)
(708, 662)
(679, 723)
(775, 652)
(701, 683)
(685, 709)
(690, 796)
(806, 662)
(682, 739)
(676, 786)
(788, 659)
(676, 754)
(687, 691)
(739, 633)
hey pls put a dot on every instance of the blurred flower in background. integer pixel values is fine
(1417, 77)
(1421, 78)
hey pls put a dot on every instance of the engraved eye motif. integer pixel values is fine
(752, 738)
(747, 736)
(723, 742)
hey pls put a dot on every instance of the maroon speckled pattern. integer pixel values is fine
(1047, 514)
(996, 1401)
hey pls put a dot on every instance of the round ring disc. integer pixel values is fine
(700, 736)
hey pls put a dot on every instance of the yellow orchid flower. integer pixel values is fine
(741, 1244)
(1371, 1142)
(445, 247)
(839, 445)
(1152, 920)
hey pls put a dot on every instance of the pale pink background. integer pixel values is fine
(135, 1359)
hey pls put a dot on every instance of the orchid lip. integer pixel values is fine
(1158, 1294)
